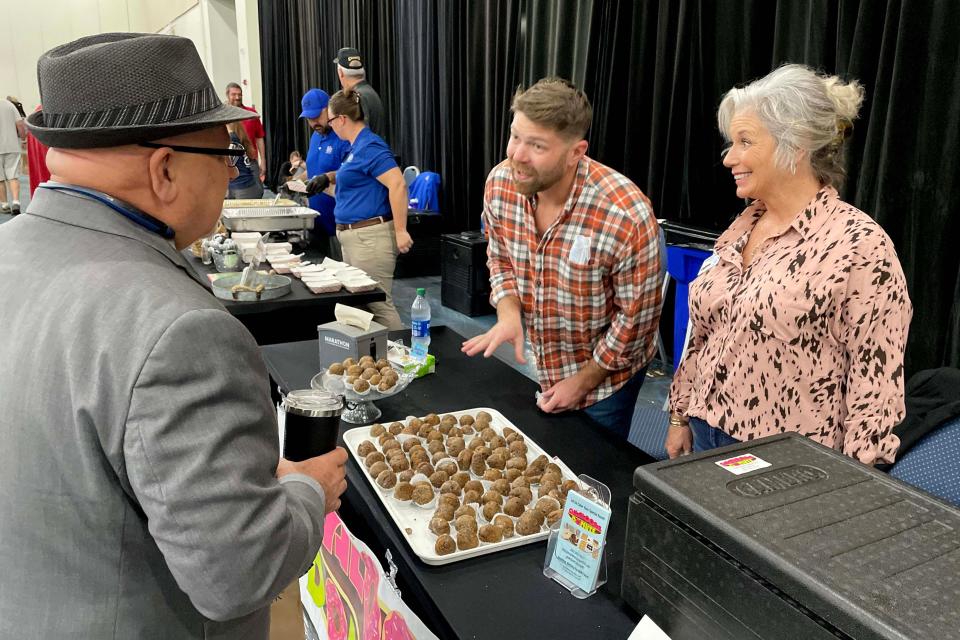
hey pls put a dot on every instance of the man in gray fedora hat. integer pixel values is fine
(141, 486)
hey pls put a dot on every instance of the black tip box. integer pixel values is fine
(806, 544)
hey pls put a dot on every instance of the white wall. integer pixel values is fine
(191, 24)
(225, 32)
(28, 28)
(222, 48)
(248, 36)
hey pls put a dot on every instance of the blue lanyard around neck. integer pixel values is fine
(128, 211)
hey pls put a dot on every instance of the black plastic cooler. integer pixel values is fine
(815, 545)
(465, 279)
(423, 258)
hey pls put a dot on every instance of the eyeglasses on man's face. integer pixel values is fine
(231, 155)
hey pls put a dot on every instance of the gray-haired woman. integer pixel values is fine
(801, 323)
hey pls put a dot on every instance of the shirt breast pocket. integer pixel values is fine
(802, 314)
(781, 318)
(582, 282)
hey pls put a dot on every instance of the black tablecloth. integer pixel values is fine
(294, 316)
(504, 594)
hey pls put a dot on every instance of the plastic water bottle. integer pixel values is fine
(420, 326)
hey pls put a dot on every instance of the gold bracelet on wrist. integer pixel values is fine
(676, 421)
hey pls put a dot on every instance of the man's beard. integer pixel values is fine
(322, 129)
(536, 181)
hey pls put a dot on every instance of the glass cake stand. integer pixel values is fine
(359, 406)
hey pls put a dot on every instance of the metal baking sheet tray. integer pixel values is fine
(413, 520)
(263, 219)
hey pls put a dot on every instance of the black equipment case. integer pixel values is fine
(423, 259)
(815, 545)
(465, 279)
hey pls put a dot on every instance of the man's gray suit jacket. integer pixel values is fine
(138, 442)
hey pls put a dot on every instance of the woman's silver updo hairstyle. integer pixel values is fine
(804, 111)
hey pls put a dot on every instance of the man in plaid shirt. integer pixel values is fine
(574, 250)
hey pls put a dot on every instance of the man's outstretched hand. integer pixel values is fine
(499, 333)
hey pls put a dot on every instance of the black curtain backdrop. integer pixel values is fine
(655, 72)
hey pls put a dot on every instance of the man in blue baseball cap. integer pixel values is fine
(324, 155)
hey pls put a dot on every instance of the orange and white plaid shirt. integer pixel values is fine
(590, 287)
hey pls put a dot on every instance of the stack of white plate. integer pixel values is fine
(327, 277)
(355, 280)
(246, 244)
(282, 261)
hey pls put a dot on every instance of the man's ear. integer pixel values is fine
(162, 174)
(577, 151)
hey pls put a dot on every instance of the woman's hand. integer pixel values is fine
(317, 184)
(679, 440)
(404, 241)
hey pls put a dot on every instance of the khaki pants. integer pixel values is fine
(374, 249)
(286, 617)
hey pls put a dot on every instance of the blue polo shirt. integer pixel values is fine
(359, 195)
(325, 153)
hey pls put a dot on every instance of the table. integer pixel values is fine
(294, 316)
(524, 603)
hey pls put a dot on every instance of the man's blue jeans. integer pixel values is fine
(616, 411)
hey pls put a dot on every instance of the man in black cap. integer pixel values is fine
(352, 75)
(141, 486)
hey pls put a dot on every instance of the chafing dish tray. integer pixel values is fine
(237, 203)
(265, 219)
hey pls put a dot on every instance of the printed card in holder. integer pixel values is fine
(576, 555)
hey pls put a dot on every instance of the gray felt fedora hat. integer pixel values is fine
(113, 89)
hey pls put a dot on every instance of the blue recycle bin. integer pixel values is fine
(683, 264)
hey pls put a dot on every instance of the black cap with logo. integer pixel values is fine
(349, 58)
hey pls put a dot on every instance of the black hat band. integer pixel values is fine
(156, 112)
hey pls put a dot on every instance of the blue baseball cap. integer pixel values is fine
(313, 103)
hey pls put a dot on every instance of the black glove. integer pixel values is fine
(317, 184)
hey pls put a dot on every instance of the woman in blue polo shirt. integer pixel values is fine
(371, 209)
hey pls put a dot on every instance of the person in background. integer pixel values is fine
(574, 255)
(149, 499)
(246, 185)
(325, 154)
(293, 169)
(371, 209)
(801, 322)
(254, 129)
(353, 75)
(12, 130)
